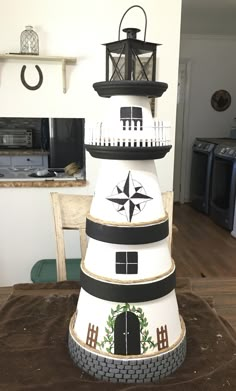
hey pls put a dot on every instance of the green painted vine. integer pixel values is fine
(146, 341)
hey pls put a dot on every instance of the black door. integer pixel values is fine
(127, 334)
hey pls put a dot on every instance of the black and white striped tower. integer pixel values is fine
(127, 326)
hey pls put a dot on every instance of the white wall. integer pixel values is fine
(213, 64)
(70, 28)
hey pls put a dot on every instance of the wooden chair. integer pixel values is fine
(168, 200)
(69, 211)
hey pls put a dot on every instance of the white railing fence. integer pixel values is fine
(129, 133)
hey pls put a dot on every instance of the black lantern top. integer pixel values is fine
(131, 32)
(131, 58)
(131, 65)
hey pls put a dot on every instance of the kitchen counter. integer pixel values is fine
(19, 175)
(12, 177)
(42, 183)
(22, 151)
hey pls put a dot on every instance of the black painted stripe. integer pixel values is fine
(127, 153)
(127, 235)
(132, 293)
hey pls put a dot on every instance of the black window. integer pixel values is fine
(126, 262)
(131, 114)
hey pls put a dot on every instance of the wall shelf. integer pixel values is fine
(27, 57)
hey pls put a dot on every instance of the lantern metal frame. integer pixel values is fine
(130, 49)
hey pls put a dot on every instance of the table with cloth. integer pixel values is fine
(34, 354)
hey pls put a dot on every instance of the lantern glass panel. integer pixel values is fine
(142, 68)
(117, 68)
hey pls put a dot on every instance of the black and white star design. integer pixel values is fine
(129, 197)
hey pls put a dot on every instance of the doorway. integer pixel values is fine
(181, 131)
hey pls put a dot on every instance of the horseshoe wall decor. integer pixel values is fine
(38, 85)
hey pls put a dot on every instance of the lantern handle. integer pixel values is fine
(133, 6)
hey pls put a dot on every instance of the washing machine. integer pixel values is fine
(201, 170)
(202, 157)
(223, 186)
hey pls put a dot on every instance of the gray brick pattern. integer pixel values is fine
(127, 371)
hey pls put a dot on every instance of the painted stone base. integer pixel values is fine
(145, 370)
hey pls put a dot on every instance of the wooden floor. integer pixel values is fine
(206, 253)
(201, 248)
(222, 292)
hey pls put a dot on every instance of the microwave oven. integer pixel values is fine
(16, 138)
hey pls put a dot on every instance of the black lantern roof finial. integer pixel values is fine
(131, 32)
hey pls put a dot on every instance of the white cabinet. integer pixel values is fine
(5, 161)
(17, 161)
(30, 160)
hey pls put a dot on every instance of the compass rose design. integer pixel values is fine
(129, 197)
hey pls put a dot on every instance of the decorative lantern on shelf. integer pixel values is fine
(131, 58)
(29, 41)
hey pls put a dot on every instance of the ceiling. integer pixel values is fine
(214, 17)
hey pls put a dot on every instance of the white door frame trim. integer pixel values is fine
(184, 151)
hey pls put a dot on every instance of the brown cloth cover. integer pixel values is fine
(34, 354)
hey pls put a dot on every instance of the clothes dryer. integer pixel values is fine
(201, 170)
(223, 186)
(202, 156)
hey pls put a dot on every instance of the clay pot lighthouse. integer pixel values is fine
(127, 326)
